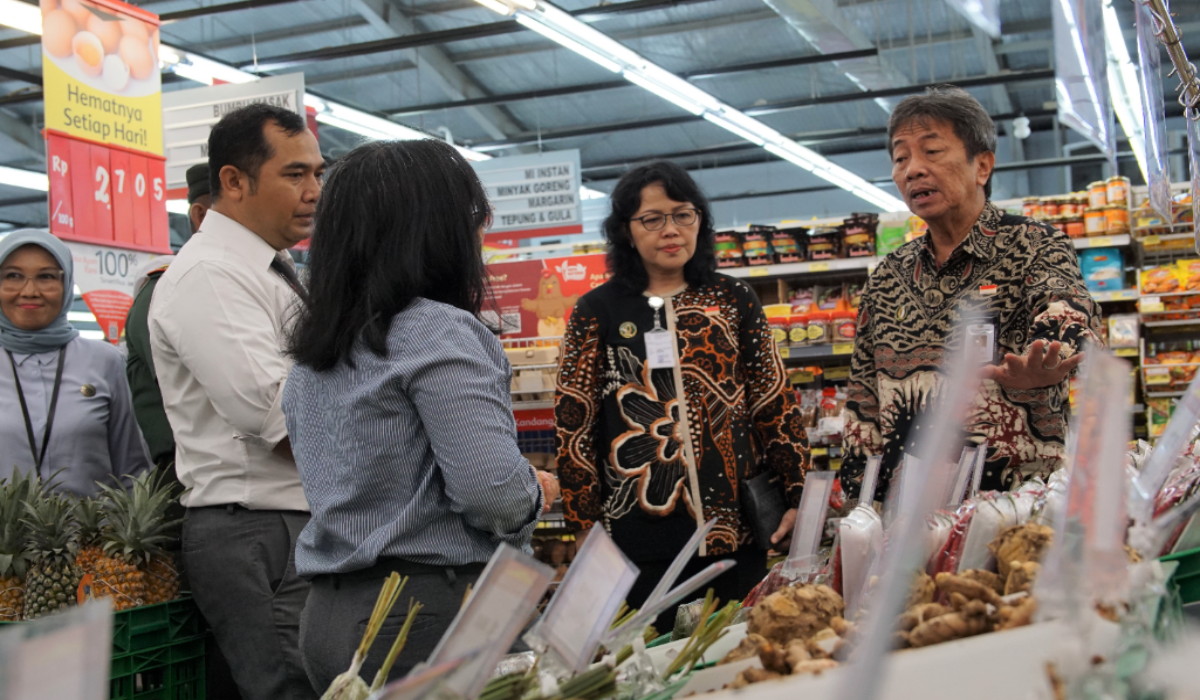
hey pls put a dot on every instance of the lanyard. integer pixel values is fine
(58, 372)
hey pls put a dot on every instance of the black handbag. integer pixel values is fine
(763, 506)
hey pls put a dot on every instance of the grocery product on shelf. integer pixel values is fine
(1103, 269)
(824, 244)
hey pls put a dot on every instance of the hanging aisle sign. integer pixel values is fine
(189, 116)
(533, 195)
(103, 99)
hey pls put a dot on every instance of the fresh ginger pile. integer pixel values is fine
(800, 629)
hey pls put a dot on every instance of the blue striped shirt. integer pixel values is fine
(413, 455)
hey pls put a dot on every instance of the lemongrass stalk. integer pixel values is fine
(397, 646)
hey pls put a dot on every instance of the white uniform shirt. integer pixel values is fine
(217, 328)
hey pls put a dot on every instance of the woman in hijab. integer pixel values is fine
(71, 415)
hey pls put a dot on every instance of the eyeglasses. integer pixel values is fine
(45, 281)
(656, 222)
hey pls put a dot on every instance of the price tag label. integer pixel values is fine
(843, 348)
(1101, 242)
(818, 267)
(1151, 240)
(1158, 375)
(758, 272)
(801, 377)
(785, 352)
(1150, 305)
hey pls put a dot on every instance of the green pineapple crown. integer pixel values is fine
(134, 526)
(14, 492)
(89, 514)
(52, 532)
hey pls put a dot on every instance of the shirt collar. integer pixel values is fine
(981, 239)
(239, 239)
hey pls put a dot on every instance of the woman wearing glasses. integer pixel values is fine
(671, 392)
(70, 414)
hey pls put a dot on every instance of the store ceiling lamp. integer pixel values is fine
(1124, 85)
(21, 15)
(27, 179)
(565, 30)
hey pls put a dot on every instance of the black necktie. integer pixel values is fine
(289, 275)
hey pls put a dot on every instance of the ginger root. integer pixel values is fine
(921, 613)
(922, 591)
(1018, 614)
(824, 644)
(753, 675)
(749, 646)
(971, 620)
(1020, 543)
(988, 578)
(814, 666)
(1021, 576)
(795, 612)
(970, 589)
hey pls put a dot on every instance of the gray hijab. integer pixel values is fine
(59, 332)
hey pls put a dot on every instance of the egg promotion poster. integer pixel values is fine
(101, 74)
(534, 298)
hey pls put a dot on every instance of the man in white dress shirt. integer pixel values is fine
(217, 324)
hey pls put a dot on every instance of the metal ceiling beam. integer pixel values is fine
(822, 24)
(611, 84)
(452, 80)
(24, 134)
(475, 31)
(220, 9)
(285, 33)
(755, 110)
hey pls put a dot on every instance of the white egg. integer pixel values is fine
(116, 73)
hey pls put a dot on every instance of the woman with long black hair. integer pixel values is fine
(398, 405)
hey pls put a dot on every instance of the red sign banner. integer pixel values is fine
(534, 298)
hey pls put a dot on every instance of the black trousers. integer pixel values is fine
(241, 567)
(339, 606)
(732, 585)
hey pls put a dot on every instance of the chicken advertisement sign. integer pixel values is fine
(534, 298)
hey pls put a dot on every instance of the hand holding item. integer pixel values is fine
(784, 532)
(1041, 366)
(550, 490)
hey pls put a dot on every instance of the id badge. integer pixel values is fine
(981, 338)
(660, 349)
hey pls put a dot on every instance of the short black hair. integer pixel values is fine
(238, 140)
(397, 220)
(954, 106)
(624, 262)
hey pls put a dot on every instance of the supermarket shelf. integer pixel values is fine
(1116, 295)
(1164, 394)
(1125, 352)
(802, 268)
(1177, 322)
(816, 353)
(1101, 241)
(1177, 364)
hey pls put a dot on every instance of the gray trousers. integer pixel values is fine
(339, 606)
(241, 567)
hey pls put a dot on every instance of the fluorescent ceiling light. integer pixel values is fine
(28, 179)
(178, 206)
(21, 15)
(1125, 87)
(567, 42)
(589, 193)
(562, 28)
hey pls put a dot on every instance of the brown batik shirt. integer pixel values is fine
(1025, 275)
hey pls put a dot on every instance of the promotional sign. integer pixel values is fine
(533, 195)
(189, 116)
(107, 277)
(534, 298)
(1081, 73)
(104, 124)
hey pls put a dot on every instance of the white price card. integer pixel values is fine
(504, 598)
(586, 602)
(65, 655)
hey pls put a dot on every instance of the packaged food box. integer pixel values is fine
(1163, 279)
(1103, 269)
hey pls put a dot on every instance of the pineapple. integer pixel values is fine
(115, 577)
(14, 560)
(52, 581)
(134, 532)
